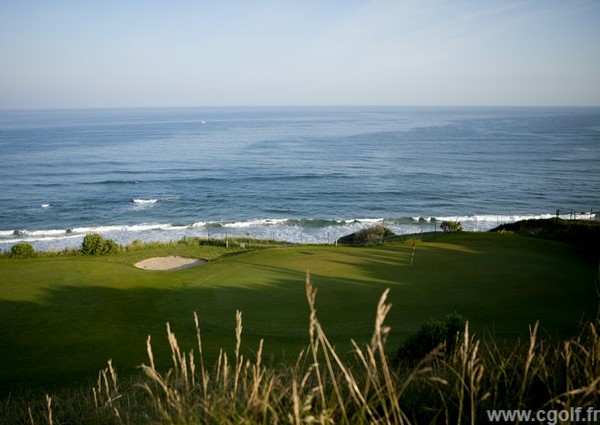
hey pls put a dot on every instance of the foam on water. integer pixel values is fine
(256, 223)
(144, 201)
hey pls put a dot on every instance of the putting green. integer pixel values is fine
(65, 317)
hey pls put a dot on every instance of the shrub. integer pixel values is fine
(22, 250)
(95, 244)
(92, 244)
(432, 334)
(111, 247)
(451, 226)
(366, 235)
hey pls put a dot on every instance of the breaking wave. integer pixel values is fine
(144, 201)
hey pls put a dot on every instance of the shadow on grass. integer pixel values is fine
(72, 333)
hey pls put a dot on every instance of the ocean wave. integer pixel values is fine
(43, 233)
(135, 228)
(295, 222)
(50, 184)
(8, 242)
(23, 233)
(507, 218)
(255, 222)
(294, 177)
(146, 227)
(114, 182)
(95, 229)
(144, 201)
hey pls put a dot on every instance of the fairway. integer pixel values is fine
(64, 317)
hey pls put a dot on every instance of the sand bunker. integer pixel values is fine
(169, 263)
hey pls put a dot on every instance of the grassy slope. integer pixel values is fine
(65, 316)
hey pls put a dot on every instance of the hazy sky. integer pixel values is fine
(113, 53)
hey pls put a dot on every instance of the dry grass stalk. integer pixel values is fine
(203, 374)
(178, 397)
(581, 357)
(473, 372)
(49, 404)
(376, 365)
(239, 358)
(106, 393)
(528, 362)
(30, 415)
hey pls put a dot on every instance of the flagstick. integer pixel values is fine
(412, 256)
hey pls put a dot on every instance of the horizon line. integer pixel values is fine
(249, 106)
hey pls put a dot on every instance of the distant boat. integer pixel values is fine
(202, 122)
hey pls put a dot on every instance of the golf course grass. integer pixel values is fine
(63, 317)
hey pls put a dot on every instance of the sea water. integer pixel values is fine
(299, 174)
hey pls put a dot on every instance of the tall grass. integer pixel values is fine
(321, 386)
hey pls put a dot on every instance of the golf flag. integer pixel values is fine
(412, 256)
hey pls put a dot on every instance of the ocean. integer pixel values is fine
(298, 174)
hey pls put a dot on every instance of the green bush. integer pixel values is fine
(22, 250)
(92, 244)
(95, 244)
(111, 247)
(451, 226)
(432, 334)
(366, 235)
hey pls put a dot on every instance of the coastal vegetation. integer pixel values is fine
(451, 226)
(22, 250)
(433, 333)
(524, 334)
(372, 234)
(95, 244)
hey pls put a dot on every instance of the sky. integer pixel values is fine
(152, 53)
